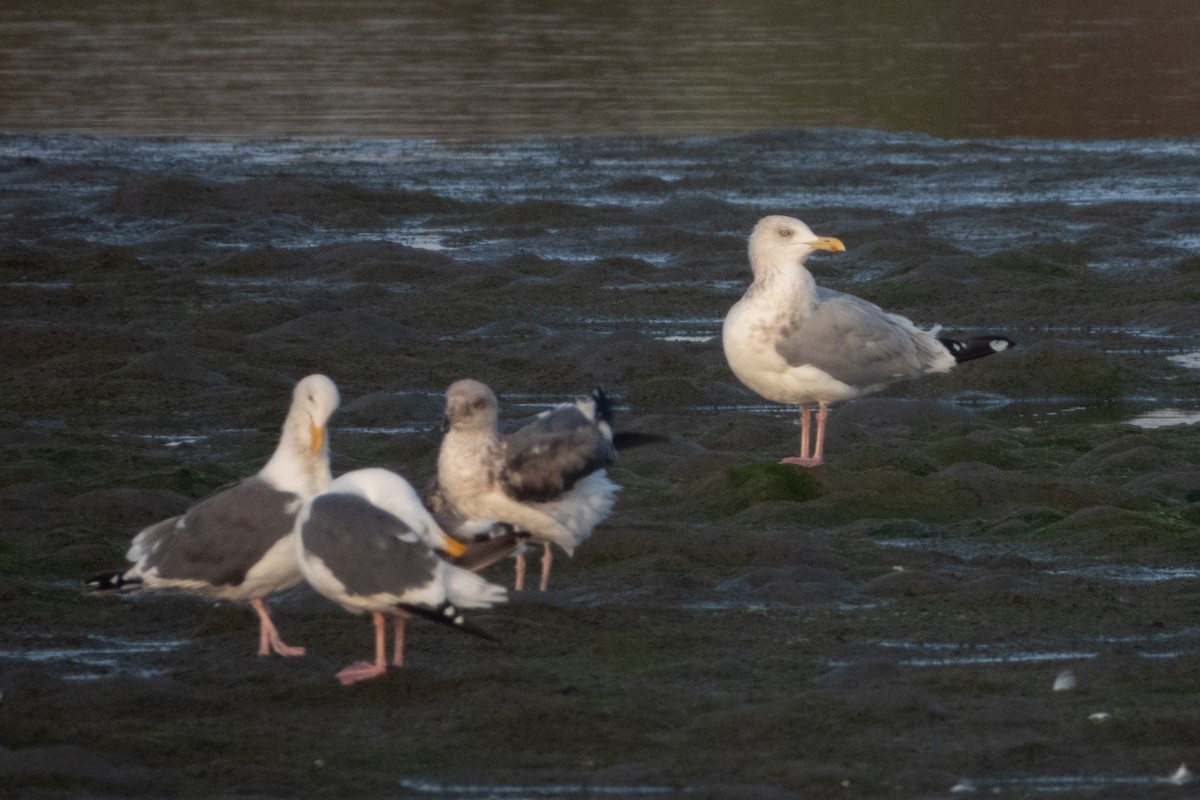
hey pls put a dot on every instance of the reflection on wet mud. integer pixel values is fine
(434, 788)
(97, 657)
(955, 654)
(1061, 784)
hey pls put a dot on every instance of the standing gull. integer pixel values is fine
(237, 544)
(369, 545)
(548, 478)
(792, 341)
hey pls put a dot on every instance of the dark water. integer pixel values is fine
(486, 70)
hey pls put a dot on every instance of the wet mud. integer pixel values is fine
(892, 624)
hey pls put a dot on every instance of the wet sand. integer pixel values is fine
(890, 625)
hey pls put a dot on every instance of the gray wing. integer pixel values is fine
(855, 341)
(367, 549)
(547, 457)
(220, 538)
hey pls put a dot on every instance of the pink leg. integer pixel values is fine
(268, 637)
(519, 581)
(805, 427)
(547, 561)
(819, 450)
(361, 670)
(816, 458)
(398, 652)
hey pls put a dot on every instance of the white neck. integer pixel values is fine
(294, 467)
(784, 280)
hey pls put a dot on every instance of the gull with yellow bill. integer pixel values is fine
(792, 341)
(369, 545)
(237, 544)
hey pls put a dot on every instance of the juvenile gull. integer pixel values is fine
(369, 545)
(548, 478)
(237, 544)
(792, 341)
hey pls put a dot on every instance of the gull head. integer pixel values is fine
(301, 461)
(470, 406)
(778, 240)
(314, 400)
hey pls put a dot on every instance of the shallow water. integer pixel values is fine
(982, 196)
(484, 70)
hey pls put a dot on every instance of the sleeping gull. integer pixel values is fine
(548, 478)
(369, 545)
(792, 341)
(237, 544)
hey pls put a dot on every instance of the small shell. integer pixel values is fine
(1181, 776)
(1065, 681)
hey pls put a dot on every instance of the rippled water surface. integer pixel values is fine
(1061, 68)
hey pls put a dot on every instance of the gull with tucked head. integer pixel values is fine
(792, 341)
(369, 545)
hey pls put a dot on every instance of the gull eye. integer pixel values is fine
(785, 232)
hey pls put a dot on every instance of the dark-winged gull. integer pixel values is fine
(792, 341)
(237, 544)
(369, 545)
(548, 478)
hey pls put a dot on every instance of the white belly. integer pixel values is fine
(753, 358)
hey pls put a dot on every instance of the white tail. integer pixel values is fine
(467, 590)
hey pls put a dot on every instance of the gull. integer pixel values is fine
(237, 543)
(547, 479)
(369, 545)
(792, 341)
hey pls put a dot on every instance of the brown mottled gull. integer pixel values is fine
(548, 479)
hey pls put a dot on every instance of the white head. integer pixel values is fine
(779, 241)
(385, 489)
(470, 406)
(314, 400)
(301, 461)
(389, 491)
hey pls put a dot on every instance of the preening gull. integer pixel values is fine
(237, 544)
(548, 478)
(792, 341)
(369, 545)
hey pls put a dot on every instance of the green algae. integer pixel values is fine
(757, 483)
(1165, 533)
(1040, 262)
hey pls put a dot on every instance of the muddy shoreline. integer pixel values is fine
(889, 625)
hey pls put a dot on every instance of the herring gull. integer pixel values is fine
(237, 544)
(548, 479)
(369, 545)
(792, 341)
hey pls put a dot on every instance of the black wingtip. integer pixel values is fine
(446, 614)
(976, 346)
(604, 408)
(111, 582)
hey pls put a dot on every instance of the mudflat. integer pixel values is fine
(893, 624)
